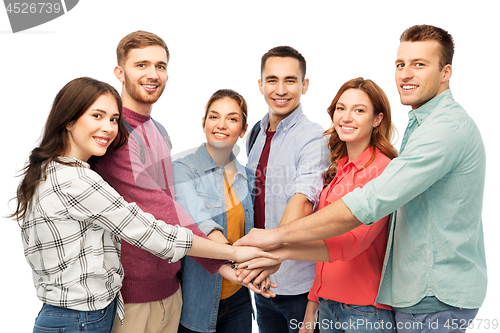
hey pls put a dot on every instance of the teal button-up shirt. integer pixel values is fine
(436, 244)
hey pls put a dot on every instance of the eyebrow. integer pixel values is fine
(104, 111)
(149, 62)
(355, 105)
(229, 114)
(412, 60)
(293, 77)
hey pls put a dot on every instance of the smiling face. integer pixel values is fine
(144, 76)
(354, 120)
(282, 85)
(419, 77)
(224, 123)
(95, 130)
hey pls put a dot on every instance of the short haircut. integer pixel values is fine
(420, 33)
(284, 52)
(138, 40)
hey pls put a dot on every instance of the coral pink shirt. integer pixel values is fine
(356, 258)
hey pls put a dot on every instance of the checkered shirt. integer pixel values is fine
(72, 234)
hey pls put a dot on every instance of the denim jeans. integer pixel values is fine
(235, 314)
(56, 319)
(335, 317)
(454, 320)
(281, 314)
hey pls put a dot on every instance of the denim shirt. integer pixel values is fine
(297, 161)
(199, 189)
(436, 245)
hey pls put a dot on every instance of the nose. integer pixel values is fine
(347, 117)
(406, 72)
(221, 123)
(107, 126)
(281, 88)
(152, 73)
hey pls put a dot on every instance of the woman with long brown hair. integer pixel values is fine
(73, 220)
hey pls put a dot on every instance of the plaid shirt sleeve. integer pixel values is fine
(91, 200)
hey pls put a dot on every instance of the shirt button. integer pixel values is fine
(254, 165)
(261, 141)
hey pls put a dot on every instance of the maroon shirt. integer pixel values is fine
(260, 183)
(148, 278)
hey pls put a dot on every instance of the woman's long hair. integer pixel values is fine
(70, 103)
(382, 135)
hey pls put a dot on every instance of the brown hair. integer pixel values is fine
(70, 103)
(381, 135)
(284, 52)
(138, 40)
(221, 93)
(420, 33)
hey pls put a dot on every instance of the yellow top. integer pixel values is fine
(235, 230)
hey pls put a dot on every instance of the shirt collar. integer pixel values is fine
(208, 163)
(67, 159)
(286, 123)
(425, 110)
(359, 162)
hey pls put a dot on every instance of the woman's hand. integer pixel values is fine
(246, 253)
(309, 318)
(263, 288)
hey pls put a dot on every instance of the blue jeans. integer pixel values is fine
(281, 314)
(454, 320)
(56, 319)
(335, 317)
(235, 314)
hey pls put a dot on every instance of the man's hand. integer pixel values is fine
(309, 318)
(264, 239)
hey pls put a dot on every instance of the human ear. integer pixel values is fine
(70, 126)
(243, 131)
(447, 71)
(118, 71)
(378, 119)
(261, 88)
(305, 86)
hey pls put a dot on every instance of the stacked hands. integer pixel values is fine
(254, 266)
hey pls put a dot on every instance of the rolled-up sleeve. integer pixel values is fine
(429, 155)
(312, 163)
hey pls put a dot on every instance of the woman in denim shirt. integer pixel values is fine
(216, 191)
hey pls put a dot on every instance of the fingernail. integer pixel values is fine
(246, 266)
(264, 288)
(268, 287)
(233, 266)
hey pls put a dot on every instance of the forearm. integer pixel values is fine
(315, 251)
(210, 249)
(217, 236)
(331, 221)
(298, 206)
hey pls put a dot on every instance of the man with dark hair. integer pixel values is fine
(141, 172)
(288, 158)
(435, 268)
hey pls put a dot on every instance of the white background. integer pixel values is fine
(218, 44)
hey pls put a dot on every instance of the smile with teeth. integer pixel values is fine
(409, 87)
(347, 128)
(149, 87)
(101, 141)
(220, 135)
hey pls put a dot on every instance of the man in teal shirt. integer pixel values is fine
(435, 269)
